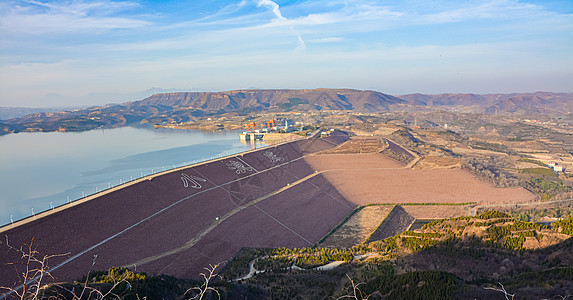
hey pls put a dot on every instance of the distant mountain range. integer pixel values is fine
(521, 103)
(190, 106)
(277, 100)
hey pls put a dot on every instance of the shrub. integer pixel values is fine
(493, 214)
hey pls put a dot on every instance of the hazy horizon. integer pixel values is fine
(92, 52)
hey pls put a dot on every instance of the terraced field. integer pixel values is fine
(358, 228)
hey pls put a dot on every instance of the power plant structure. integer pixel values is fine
(253, 134)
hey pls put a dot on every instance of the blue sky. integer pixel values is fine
(91, 52)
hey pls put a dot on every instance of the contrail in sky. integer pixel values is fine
(276, 10)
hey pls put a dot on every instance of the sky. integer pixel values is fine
(87, 52)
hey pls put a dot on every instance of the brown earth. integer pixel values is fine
(375, 178)
(329, 163)
(550, 238)
(358, 144)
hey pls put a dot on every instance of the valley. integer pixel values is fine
(341, 200)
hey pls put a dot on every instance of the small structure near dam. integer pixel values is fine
(251, 136)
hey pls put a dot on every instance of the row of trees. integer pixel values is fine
(557, 210)
(550, 190)
(307, 257)
(565, 226)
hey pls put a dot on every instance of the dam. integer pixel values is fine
(288, 195)
(179, 222)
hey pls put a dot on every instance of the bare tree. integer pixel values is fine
(36, 270)
(507, 295)
(205, 288)
(356, 292)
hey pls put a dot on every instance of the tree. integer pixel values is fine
(356, 293)
(507, 295)
(35, 272)
(205, 289)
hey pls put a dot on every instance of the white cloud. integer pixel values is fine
(275, 9)
(41, 18)
(273, 6)
(492, 9)
(327, 40)
(251, 43)
(84, 8)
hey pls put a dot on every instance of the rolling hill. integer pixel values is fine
(522, 103)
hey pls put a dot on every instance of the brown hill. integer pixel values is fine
(523, 103)
(444, 99)
(276, 100)
(185, 107)
(535, 103)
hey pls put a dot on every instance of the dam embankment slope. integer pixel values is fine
(179, 222)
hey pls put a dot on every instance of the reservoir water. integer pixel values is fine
(39, 171)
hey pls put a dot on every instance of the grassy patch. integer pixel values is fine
(532, 161)
(538, 171)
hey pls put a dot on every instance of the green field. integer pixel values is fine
(539, 171)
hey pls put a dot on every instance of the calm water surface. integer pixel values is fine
(41, 170)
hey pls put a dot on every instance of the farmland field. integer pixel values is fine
(375, 178)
